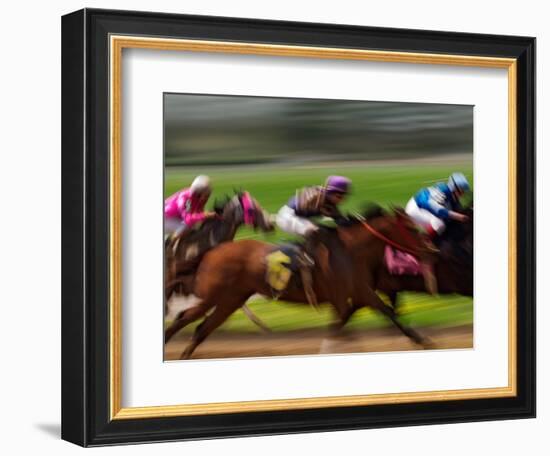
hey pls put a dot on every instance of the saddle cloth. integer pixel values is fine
(401, 263)
(281, 263)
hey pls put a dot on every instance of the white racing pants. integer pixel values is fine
(289, 222)
(424, 218)
(173, 225)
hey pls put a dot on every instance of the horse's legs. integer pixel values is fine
(375, 302)
(343, 317)
(210, 323)
(409, 332)
(392, 296)
(254, 319)
(183, 319)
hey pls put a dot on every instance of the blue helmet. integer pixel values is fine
(458, 181)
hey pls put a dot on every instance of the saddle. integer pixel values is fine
(283, 263)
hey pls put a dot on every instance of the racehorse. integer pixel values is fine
(183, 254)
(346, 261)
(453, 265)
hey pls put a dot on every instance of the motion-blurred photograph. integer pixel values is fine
(316, 226)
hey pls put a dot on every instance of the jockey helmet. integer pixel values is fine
(200, 185)
(458, 182)
(337, 184)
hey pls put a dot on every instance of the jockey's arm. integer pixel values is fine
(337, 216)
(441, 211)
(458, 216)
(437, 209)
(188, 217)
(192, 218)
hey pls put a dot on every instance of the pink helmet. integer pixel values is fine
(338, 184)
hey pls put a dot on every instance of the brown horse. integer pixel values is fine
(345, 265)
(183, 255)
(453, 265)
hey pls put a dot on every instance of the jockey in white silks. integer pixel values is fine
(294, 218)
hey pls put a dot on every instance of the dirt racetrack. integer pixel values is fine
(240, 345)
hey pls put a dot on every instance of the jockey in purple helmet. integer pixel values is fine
(312, 202)
(294, 217)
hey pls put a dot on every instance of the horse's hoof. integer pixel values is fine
(427, 344)
(185, 355)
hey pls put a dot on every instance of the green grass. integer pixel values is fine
(416, 309)
(384, 184)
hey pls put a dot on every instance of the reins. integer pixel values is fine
(388, 240)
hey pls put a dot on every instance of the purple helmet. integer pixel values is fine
(338, 184)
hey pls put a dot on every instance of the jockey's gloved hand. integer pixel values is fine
(343, 221)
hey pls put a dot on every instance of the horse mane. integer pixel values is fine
(221, 203)
(372, 211)
(369, 212)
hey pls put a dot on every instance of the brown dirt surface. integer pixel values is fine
(242, 345)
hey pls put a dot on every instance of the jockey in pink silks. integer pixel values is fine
(185, 208)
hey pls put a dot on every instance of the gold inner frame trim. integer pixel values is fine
(117, 44)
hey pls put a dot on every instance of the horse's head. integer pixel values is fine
(456, 231)
(241, 209)
(457, 242)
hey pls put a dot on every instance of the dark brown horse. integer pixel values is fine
(346, 262)
(453, 266)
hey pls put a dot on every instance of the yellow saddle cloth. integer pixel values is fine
(278, 271)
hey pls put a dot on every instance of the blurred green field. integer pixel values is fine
(384, 183)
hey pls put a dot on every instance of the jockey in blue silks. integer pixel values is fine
(431, 207)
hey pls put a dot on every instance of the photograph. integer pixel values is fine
(297, 226)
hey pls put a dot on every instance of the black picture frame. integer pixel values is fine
(85, 227)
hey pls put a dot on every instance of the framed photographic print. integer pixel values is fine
(268, 227)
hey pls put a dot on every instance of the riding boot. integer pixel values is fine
(312, 240)
(306, 264)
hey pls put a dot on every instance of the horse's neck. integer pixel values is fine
(332, 240)
(358, 237)
(221, 232)
(228, 231)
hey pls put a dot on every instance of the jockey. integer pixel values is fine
(294, 219)
(312, 202)
(185, 208)
(432, 206)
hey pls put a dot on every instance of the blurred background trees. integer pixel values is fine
(222, 130)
